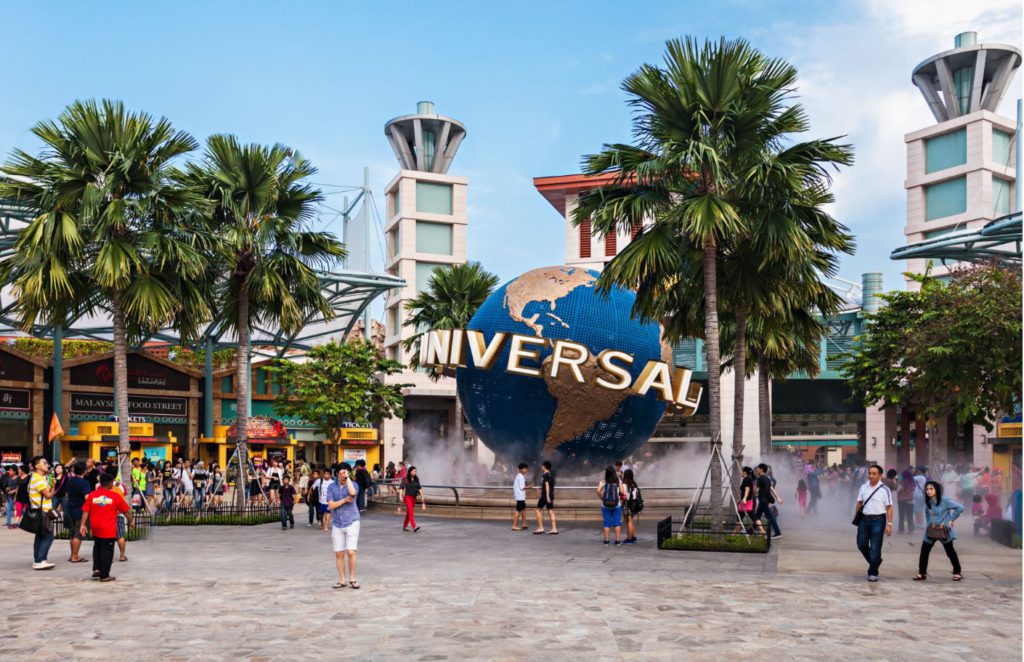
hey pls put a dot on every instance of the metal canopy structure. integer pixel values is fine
(999, 240)
(348, 292)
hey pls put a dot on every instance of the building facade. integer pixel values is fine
(960, 170)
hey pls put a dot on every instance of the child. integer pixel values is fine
(286, 494)
(519, 494)
(801, 497)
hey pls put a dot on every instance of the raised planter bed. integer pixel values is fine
(678, 537)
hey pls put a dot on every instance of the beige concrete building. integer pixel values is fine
(426, 227)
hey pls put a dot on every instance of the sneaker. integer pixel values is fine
(43, 565)
(777, 535)
(606, 542)
(630, 541)
(872, 578)
(617, 543)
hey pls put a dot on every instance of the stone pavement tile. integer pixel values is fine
(474, 591)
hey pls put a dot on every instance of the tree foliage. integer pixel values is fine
(949, 349)
(453, 295)
(337, 384)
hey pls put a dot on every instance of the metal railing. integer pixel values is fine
(499, 496)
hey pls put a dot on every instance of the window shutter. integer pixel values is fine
(585, 238)
(610, 244)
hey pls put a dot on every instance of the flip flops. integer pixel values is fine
(78, 560)
(340, 585)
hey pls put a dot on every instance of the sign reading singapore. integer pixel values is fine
(443, 349)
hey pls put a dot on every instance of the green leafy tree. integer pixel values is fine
(266, 270)
(339, 383)
(115, 231)
(713, 159)
(947, 350)
(453, 295)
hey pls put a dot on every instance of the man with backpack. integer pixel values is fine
(362, 479)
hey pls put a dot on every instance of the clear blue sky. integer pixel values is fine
(535, 83)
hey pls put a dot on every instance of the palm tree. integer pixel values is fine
(114, 231)
(453, 295)
(262, 205)
(711, 127)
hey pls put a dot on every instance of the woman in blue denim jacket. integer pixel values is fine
(939, 511)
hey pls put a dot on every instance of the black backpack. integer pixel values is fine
(636, 504)
(21, 496)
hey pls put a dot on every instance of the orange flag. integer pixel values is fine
(55, 429)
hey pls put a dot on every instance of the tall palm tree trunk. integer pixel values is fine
(242, 393)
(740, 366)
(124, 446)
(714, 376)
(764, 411)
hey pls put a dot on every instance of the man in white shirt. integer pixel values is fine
(324, 482)
(519, 495)
(874, 502)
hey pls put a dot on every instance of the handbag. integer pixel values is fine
(858, 517)
(32, 519)
(936, 531)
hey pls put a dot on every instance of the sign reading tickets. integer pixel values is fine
(96, 403)
(446, 349)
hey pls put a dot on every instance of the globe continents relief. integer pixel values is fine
(580, 427)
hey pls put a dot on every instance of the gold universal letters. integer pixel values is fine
(447, 349)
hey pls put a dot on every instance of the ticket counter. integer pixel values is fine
(359, 444)
(99, 440)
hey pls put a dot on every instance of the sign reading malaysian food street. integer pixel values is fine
(445, 349)
(96, 403)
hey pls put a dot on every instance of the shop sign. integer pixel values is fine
(14, 399)
(97, 403)
(10, 457)
(142, 373)
(132, 438)
(16, 369)
(155, 453)
(350, 455)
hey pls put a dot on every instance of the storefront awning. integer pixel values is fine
(814, 442)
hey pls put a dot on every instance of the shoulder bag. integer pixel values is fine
(859, 515)
(936, 531)
(32, 518)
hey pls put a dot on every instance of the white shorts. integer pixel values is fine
(345, 538)
(303, 482)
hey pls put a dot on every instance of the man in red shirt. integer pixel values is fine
(100, 510)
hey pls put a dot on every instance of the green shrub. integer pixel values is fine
(716, 543)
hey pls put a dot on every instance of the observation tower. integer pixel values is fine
(426, 228)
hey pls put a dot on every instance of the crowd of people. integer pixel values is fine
(92, 501)
(86, 496)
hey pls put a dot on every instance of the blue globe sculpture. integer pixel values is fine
(580, 427)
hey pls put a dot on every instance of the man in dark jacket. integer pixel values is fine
(363, 481)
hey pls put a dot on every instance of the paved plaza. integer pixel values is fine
(469, 590)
